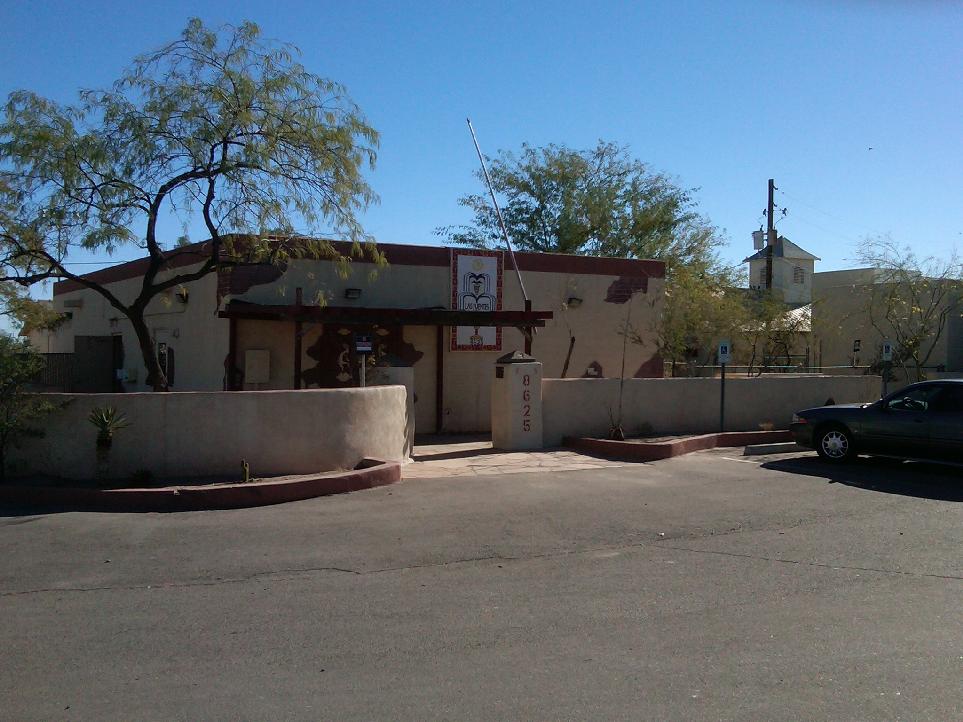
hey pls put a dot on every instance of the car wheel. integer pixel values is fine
(834, 443)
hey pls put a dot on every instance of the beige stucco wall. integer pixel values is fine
(595, 324)
(583, 407)
(207, 434)
(199, 338)
(424, 338)
(466, 406)
(841, 316)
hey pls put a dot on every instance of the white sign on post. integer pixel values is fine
(887, 350)
(725, 350)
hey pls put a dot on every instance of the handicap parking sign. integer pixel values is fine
(724, 352)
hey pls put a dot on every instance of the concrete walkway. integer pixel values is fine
(459, 455)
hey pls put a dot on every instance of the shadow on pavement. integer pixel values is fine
(438, 447)
(32, 512)
(433, 455)
(887, 476)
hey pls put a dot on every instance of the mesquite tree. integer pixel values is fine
(218, 126)
(911, 300)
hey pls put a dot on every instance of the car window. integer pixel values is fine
(950, 400)
(918, 399)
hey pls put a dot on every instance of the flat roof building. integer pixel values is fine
(437, 318)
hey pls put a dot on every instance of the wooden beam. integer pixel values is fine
(527, 331)
(298, 330)
(387, 316)
(231, 355)
(440, 336)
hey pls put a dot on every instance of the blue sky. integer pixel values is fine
(720, 96)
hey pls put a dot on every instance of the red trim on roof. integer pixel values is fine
(186, 256)
(405, 255)
(408, 255)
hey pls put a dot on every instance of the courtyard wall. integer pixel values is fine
(189, 434)
(586, 407)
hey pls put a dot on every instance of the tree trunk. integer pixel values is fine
(568, 356)
(155, 375)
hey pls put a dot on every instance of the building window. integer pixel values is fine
(798, 275)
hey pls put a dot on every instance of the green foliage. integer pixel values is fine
(218, 125)
(32, 314)
(107, 421)
(596, 202)
(19, 366)
(701, 306)
(768, 330)
(911, 300)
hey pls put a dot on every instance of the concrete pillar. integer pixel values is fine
(517, 402)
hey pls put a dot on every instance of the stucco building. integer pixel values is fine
(847, 336)
(257, 326)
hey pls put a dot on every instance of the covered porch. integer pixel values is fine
(319, 350)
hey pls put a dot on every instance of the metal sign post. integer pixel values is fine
(362, 344)
(887, 357)
(725, 350)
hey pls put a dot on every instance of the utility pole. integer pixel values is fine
(770, 234)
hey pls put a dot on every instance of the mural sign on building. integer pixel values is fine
(476, 285)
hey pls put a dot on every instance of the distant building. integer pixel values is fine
(792, 272)
(844, 329)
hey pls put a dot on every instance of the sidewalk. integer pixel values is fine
(458, 455)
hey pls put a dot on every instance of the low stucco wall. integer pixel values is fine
(586, 407)
(208, 433)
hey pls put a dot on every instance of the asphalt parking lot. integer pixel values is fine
(711, 586)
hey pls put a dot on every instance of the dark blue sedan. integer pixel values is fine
(921, 421)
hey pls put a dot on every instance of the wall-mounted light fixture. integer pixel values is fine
(182, 295)
(573, 302)
(352, 294)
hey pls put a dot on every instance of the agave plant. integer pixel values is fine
(107, 419)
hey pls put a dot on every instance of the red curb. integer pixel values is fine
(369, 473)
(653, 451)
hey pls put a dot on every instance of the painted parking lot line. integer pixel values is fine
(742, 461)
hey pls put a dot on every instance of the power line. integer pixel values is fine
(828, 214)
(831, 231)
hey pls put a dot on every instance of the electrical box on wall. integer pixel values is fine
(257, 366)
